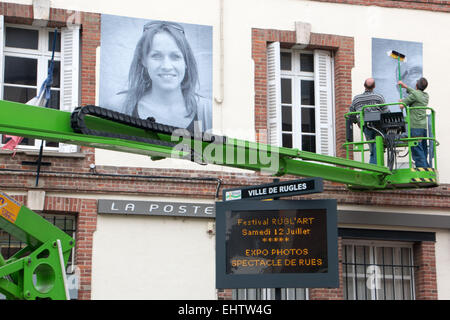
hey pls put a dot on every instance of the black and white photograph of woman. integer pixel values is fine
(163, 78)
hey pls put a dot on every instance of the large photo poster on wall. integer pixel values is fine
(157, 69)
(385, 68)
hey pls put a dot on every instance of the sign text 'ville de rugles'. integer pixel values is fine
(156, 208)
(277, 189)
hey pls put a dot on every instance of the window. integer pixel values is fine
(24, 61)
(27, 54)
(300, 102)
(270, 294)
(378, 270)
(298, 122)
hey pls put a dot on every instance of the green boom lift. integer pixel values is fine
(38, 270)
(39, 274)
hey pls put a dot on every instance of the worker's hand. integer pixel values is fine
(401, 105)
(402, 84)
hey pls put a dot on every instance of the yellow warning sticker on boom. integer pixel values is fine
(9, 209)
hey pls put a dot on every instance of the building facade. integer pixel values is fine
(280, 72)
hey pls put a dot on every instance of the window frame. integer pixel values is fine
(372, 245)
(43, 56)
(297, 76)
(70, 68)
(324, 100)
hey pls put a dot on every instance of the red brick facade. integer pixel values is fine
(71, 175)
(425, 275)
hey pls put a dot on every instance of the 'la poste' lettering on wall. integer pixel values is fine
(156, 208)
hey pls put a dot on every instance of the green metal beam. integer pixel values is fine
(364, 179)
(54, 125)
(2, 260)
(379, 147)
(241, 149)
(343, 162)
(10, 290)
(11, 268)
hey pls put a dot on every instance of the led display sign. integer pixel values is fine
(276, 244)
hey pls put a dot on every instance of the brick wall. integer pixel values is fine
(145, 182)
(86, 211)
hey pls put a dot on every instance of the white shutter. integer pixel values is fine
(70, 68)
(2, 58)
(324, 103)
(274, 94)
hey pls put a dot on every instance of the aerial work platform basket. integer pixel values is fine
(394, 143)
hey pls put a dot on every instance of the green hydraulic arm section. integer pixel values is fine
(118, 132)
(54, 125)
(38, 270)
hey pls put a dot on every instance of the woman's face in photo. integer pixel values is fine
(165, 63)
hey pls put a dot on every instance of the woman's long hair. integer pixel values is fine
(139, 81)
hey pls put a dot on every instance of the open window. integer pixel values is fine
(300, 99)
(25, 55)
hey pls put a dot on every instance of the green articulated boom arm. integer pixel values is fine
(102, 128)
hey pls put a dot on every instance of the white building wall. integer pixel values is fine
(155, 258)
